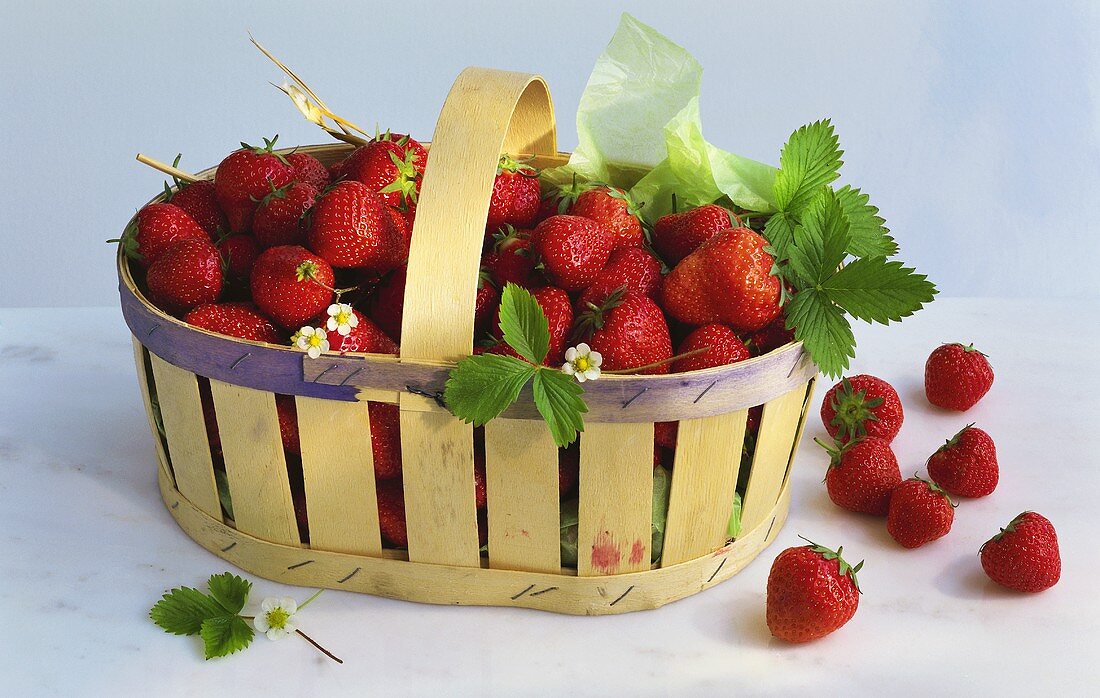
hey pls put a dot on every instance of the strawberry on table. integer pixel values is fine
(615, 211)
(353, 227)
(1024, 556)
(727, 280)
(186, 275)
(956, 377)
(245, 177)
(198, 200)
(573, 250)
(630, 267)
(861, 475)
(309, 170)
(241, 320)
(812, 592)
(920, 512)
(630, 331)
(291, 285)
(966, 466)
(862, 405)
(722, 346)
(157, 227)
(279, 219)
(516, 196)
(677, 235)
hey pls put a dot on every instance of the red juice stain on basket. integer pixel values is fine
(606, 555)
(637, 552)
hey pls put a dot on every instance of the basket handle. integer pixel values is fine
(486, 113)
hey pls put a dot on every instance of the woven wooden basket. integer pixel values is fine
(486, 113)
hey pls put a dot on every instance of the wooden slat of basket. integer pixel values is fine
(140, 355)
(704, 480)
(254, 462)
(437, 463)
(338, 471)
(774, 443)
(614, 532)
(521, 478)
(185, 430)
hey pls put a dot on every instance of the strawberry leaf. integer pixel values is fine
(229, 590)
(820, 242)
(523, 324)
(779, 230)
(810, 159)
(481, 387)
(823, 329)
(182, 611)
(225, 635)
(869, 235)
(877, 290)
(558, 399)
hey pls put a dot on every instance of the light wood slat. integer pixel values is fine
(616, 498)
(803, 418)
(185, 430)
(338, 470)
(437, 463)
(521, 480)
(704, 480)
(147, 399)
(254, 462)
(778, 425)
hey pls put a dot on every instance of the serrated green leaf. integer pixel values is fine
(558, 399)
(803, 260)
(823, 236)
(823, 329)
(523, 323)
(181, 611)
(481, 387)
(809, 159)
(225, 635)
(779, 231)
(869, 235)
(229, 590)
(878, 290)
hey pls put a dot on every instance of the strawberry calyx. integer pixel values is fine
(267, 149)
(936, 489)
(1006, 530)
(128, 240)
(592, 319)
(566, 196)
(853, 409)
(407, 176)
(955, 439)
(837, 450)
(508, 163)
(632, 207)
(844, 568)
(506, 236)
(306, 270)
(485, 279)
(275, 193)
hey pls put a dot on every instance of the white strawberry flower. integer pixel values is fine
(276, 618)
(311, 340)
(341, 318)
(582, 363)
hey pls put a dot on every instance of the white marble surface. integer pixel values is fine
(86, 547)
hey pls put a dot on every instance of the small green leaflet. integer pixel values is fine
(225, 635)
(181, 611)
(558, 399)
(877, 290)
(824, 330)
(230, 591)
(214, 616)
(480, 387)
(809, 160)
(870, 236)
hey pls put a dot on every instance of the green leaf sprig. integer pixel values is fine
(814, 236)
(215, 616)
(480, 387)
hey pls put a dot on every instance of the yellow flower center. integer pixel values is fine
(342, 318)
(276, 618)
(316, 339)
(582, 364)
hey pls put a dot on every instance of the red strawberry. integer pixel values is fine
(486, 303)
(956, 377)
(677, 235)
(569, 469)
(186, 275)
(157, 227)
(291, 285)
(630, 331)
(573, 250)
(309, 170)
(385, 438)
(727, 280)
(631, 267)
(480, 495)
(234, 320)
(391, 513)
(402, 223)
(966, 466)
(615, 211)
(861, 475)
(510, 261)
(387, 303)
(559, 199)
(364, 338)
(920, 512)
(245, 177)
(239, 254)
(773, 336)
(722, 345)
(288, 422)
(198, 200)
(516, 196)
(206, 399)
(862, 405)
(664, 434)
(1024, 555)
(279, 219)
(558, 310)
(391, 168)
(812, 592)
(352, 227)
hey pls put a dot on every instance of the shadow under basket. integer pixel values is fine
(487, 112)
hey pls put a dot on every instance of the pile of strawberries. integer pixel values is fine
(812, 591)
(277, 244)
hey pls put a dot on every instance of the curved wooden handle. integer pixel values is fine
(486, 113)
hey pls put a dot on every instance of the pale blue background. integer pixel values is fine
(973, 125)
